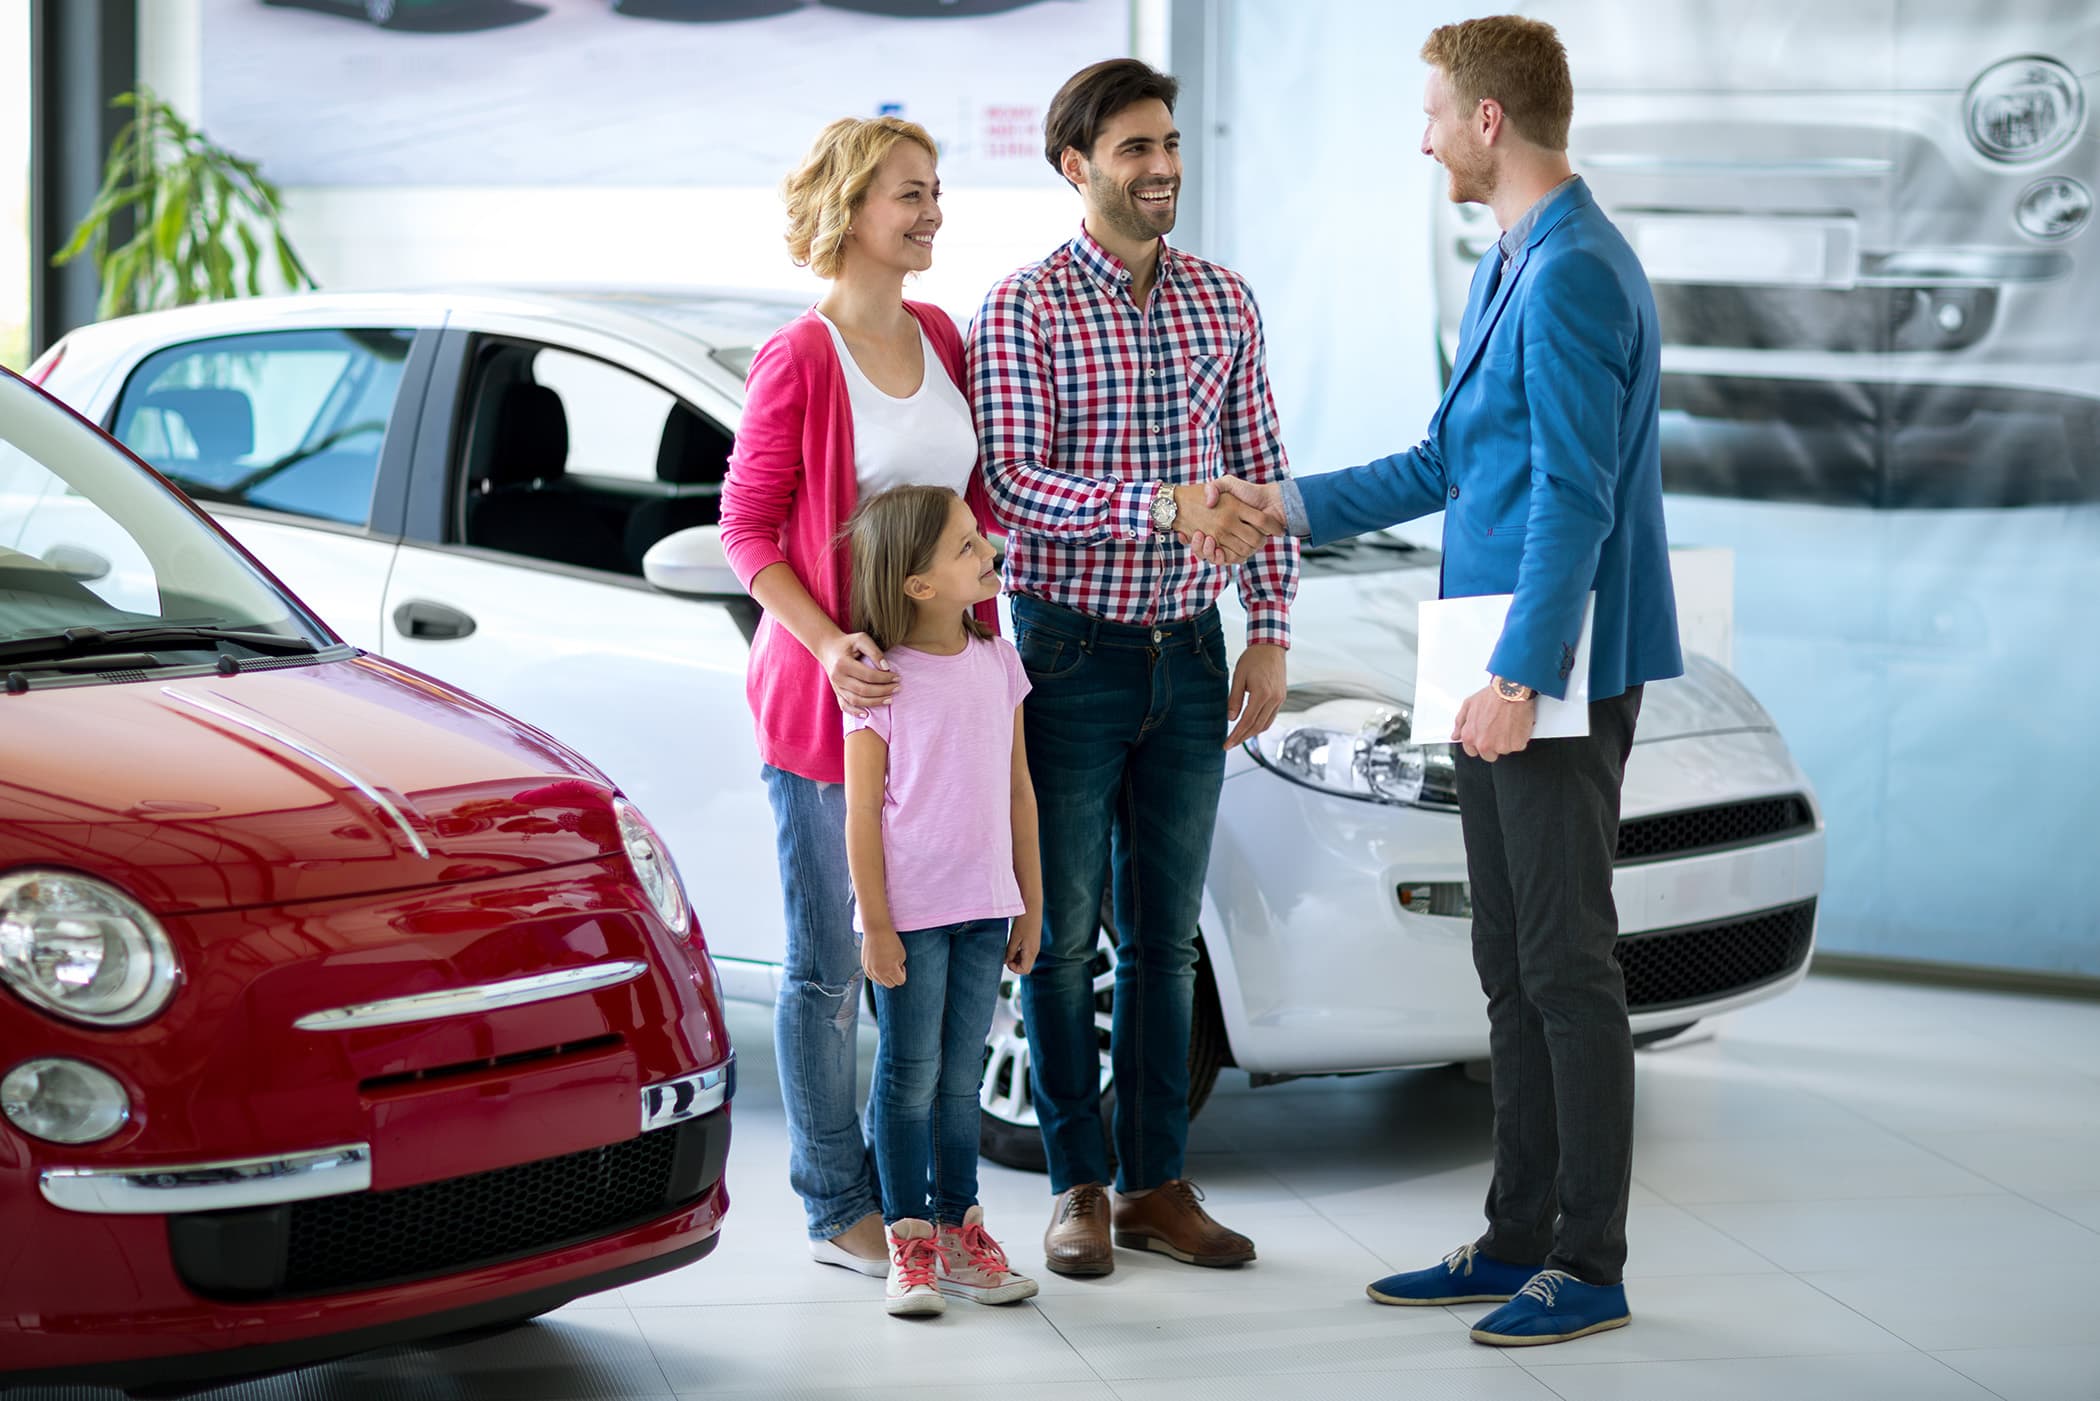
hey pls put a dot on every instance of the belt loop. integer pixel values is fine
(1093, 633)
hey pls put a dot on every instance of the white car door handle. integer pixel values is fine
(432, 622)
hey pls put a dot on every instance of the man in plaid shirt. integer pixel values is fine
(1111, 381)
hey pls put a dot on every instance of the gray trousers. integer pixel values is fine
(1541, 827)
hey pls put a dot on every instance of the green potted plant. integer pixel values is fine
(203, 220)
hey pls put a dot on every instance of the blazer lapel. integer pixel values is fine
(1469, 349)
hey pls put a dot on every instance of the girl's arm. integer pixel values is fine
(867, 775)
(1026, 938)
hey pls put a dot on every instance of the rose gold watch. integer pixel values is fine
(1512, 691)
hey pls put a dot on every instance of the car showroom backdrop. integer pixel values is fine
(1868, 224)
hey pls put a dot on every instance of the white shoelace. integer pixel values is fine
(1460, 1261)
(1545, 1286)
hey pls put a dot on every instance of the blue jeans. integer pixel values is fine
(929, 1062)
(1126, 731)
(816, 1020)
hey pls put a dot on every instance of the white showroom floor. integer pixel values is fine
(1861, 1190)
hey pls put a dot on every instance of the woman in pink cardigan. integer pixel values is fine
(861, 393)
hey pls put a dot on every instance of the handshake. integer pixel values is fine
(1226, 519)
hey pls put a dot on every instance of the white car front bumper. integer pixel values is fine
(1320, 969)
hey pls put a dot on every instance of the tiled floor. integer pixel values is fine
(1857, 1191)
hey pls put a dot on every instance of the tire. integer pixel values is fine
(1008, 1132)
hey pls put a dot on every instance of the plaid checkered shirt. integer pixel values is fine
(1087, 404)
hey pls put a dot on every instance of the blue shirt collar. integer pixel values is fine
(1519, 233)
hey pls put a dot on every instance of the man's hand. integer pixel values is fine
(859, 676)
(1257, 691)
(1224, 527)
(1263, 501)
(882, 955)
(1024, 941)
(1490, 727)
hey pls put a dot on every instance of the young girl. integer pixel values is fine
(941, 842)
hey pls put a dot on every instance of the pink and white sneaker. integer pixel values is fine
(974, 1267)
(915, 1267)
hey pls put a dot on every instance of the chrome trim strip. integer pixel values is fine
(487, 997)
(1821, 168)
(237, 1182)
(688, 1097)
(311, 751)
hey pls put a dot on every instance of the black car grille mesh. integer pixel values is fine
(1670, 967)
(1709, 829)
(368, 1238)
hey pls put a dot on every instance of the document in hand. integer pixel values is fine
(1452, 647)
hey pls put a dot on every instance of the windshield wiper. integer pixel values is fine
(87, 641)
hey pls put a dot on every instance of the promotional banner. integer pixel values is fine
(633, 92)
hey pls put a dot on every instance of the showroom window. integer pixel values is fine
(287, 421)
(14, 186)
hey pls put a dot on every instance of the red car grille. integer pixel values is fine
(368, 1240)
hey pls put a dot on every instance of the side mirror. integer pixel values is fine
(693, 562)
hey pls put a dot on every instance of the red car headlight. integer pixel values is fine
(82, 949)
(653, 870)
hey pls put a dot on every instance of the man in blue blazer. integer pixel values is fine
(1545, 459)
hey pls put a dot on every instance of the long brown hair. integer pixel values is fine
(893, 535)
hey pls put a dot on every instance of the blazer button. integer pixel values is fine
(1454, 493)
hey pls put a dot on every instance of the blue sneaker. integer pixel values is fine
(1465, 1277)
(1554, 1307)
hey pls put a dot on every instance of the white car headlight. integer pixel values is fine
(64, 1101)
(2024, 109)
(653, 870)
(1356, 747)
(83, 949)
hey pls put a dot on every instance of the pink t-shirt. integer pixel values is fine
(947, 815)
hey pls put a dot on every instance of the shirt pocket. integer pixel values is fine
(1206, 376)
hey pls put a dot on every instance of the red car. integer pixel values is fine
(337, 1009)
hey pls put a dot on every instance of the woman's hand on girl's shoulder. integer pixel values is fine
(882, 956)
(859, 676)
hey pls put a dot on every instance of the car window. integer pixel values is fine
(289, 421)
(87, 540)
(615, 418)
(574, 460)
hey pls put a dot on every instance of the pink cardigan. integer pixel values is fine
(791, 486)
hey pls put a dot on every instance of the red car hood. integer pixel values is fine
(269, 787)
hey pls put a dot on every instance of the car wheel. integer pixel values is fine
(1009, 1132)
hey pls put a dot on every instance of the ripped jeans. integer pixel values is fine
(816, 1019)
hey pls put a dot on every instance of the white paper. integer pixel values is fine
(1453, 644)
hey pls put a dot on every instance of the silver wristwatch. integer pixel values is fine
(1165, 509)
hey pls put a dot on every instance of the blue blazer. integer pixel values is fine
(1545, 457)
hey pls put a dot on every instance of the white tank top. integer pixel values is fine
(924, 440)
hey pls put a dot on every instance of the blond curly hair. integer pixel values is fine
(827, 189)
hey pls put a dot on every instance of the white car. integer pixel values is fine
(471, 483)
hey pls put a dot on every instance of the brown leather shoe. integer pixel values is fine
(1077, 1241)
(1171, 1220)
